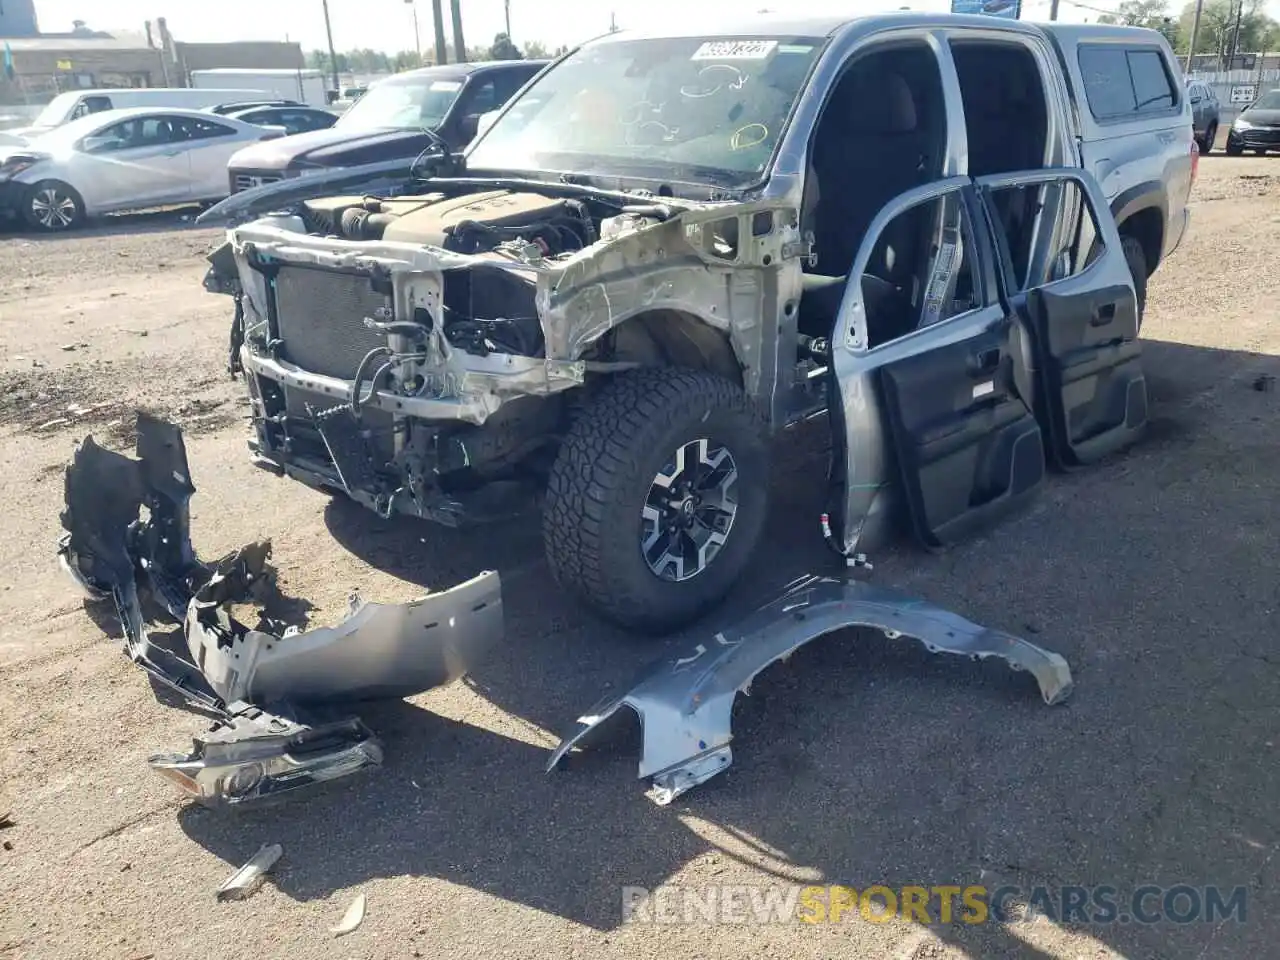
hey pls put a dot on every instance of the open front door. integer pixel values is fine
(1077, 299)
(930, 340)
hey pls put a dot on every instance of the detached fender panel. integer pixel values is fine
(684, 703)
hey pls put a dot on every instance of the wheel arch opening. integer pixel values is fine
(675, 338)
(1147, 227)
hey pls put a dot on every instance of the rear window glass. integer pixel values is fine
(1125, 81)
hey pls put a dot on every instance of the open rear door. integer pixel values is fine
(1078, 301)
(968, 446)
(956, 392)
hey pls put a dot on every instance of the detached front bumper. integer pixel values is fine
(275, 697)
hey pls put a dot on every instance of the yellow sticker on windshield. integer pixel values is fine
(735, 50)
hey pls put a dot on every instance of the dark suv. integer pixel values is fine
(1258, 126)
(396, 119)
(1205, 114)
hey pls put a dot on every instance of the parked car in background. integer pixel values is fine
(399, 117)
(121, 160)
(292, 120)
(236, 106)
(1205, 114)
(307, 85)
(1258, 126)
(66, 107)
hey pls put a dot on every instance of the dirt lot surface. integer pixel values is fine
(861, 761)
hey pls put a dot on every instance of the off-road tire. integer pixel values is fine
(1136, 257)
(621, 439)
(1233, 150)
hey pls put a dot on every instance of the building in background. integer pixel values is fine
(182, 57)
(46, 64)
(18, 18)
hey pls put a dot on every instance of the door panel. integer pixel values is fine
(968, 446)
(209, 159)
(140, 163)
(942, 411)
(1092, 382)
(1091, 393)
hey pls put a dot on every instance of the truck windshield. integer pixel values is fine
(56, 111)
(409, 103)
(694, 110)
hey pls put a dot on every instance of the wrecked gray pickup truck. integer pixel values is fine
(670, 246)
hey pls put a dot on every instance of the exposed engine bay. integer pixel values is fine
(410, 349)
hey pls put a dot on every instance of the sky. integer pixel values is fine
(388, 24)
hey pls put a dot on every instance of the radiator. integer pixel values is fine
(320, 319)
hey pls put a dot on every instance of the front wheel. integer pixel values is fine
(658, 497)
(52, 205)
(1234, 149)
(1210, 136)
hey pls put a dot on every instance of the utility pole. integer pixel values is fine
(1235, 37)
(1053, 10)
(417, 37)
(333, 57)
(506, 12)
(459, 45)
(1195, 31)
(442, 47)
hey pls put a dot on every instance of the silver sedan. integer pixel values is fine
(122, 160)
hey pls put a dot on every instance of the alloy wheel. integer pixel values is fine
(53, 209)
(689, 510)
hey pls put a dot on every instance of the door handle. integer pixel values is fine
(984, 362)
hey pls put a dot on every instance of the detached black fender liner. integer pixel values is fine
(274, 698)
(684, 702)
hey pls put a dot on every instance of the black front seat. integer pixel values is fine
(882, 153)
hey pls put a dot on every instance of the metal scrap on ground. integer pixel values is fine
(248, 878)
(352, 918)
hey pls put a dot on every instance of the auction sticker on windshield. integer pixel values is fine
(735, 50)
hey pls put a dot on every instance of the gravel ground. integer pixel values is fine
(860, 761)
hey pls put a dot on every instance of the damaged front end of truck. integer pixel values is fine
(417, 351)
(280, 700)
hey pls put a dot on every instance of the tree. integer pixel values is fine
(504, 49)
(533, 50)
(1152, 14)
(1218, 27)
(407, 60)
(319, 60)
